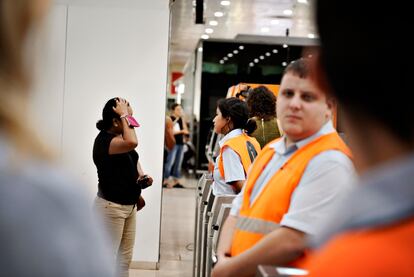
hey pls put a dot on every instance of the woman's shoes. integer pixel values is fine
(178, 186)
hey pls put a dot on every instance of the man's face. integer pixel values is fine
(302, 107)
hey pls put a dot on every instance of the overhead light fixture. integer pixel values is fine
(213, 23)
(218, 14)
(251, 64)
(235, 51)
(285, 45)
(225, 3)
(303, 1)
(229, 55)
(287, 12)
(204, 36)
(225, 58)
(267, 54)
(209, 30)
(284, 63)
(241, 47)
(274, 22)
(311, 35)
(221, 61)
(256, 60)
(261, 57)
(200, 49)
(274, 51)
(264, 29)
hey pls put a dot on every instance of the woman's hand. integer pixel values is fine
(122, 107)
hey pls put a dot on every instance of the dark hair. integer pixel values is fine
(299, 67)
(261, 103)
(108, 114)
(363, 67)
(175, 105)
(237, 111)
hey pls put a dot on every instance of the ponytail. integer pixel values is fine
(250, 126)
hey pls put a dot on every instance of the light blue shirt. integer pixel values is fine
(326, 177)
(233, 167)
(47, 224)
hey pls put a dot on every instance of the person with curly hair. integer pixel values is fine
(262, 109)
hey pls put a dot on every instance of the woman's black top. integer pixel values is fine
(117, 174)
(178, 138)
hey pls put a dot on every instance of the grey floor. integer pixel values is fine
(177, 233)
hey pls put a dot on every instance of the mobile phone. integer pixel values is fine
(132, 122)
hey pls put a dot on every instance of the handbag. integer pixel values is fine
(140, 203)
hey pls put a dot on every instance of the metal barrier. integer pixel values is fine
(216, 228)
(219, 201)
(204, 233)
(202, 192)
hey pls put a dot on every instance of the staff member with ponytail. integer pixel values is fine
(237, 148)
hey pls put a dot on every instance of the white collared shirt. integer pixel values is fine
(327, 176)
(233, 167)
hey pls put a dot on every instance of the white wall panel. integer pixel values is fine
(49, 58)
(118, 51)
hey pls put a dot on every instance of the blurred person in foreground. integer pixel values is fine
(292, 184)
(262, 109)
(47, 226)
(371, 231)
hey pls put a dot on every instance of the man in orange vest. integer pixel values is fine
(371, 233)
(291, 185)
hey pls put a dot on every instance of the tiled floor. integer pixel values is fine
(177, 233)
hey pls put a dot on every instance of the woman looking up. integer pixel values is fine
(118, 171)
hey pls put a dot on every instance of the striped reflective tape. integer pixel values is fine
(255, 225)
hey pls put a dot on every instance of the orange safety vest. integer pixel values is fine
(264, 216)
(378, 251)
(246, 147)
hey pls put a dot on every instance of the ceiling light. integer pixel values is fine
(285, 45)
(204, 36)
(213, 23)
(225, 3)
(287, 12)
(311, 35)
(274, 22)
(261, 57)
(225, 58)
(264, 29)
(303, 1)
(218, 14)
(209, 30)
(284, 63)
(251, 64)
(200, 49)
(221, 61)
(229, 55)
(241, 47)
(274, 51)
(235, 51)
(256, 60)
(267, 54)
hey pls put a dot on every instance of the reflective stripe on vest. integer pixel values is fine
(255, 225)
(273, 202)
(246, 147)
